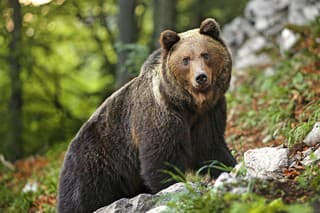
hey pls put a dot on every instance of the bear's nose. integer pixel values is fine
(201, 78)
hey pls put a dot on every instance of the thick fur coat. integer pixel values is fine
(173, 113)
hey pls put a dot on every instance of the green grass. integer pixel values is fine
(198, 198)
(262, 196)
(201, 197)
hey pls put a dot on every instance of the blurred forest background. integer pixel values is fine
(60, 59)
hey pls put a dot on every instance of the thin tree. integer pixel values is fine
(198, 9)
(15, 141)
(164, 17)
(127, 35)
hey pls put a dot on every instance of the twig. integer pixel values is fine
(7, 164)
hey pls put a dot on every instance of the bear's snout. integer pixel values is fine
(201, 78)
(201, 81)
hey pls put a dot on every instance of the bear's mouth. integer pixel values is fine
(202, 88)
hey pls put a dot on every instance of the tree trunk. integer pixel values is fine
(14, 143)
(127, 35)
(164, 17)
(198, 9)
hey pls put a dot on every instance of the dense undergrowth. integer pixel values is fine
(265, 109)
(281, 106)
(40, 170)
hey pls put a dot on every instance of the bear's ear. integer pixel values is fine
(168, 38)
(210, 27)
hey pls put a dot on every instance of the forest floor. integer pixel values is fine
(264, 110)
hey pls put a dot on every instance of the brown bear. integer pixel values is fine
(173, 113)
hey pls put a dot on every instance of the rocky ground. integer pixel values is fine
(266, 25)
(273, 168)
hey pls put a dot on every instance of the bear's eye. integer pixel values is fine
(186, 61)
(205, 56)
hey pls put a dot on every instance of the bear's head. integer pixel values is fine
(198, 62)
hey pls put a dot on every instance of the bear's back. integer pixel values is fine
(151, 64)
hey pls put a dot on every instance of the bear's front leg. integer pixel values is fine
(164, 148)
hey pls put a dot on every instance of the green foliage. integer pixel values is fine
(214, 165)
(175, 174)
(62, 66)
(255, 204)
(12, 199)
(200, 199)
(69, 60)
(196, 10)
(196, 199)
(310, 178)
(137, 55)
(13, 202)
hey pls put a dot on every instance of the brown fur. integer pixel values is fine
(193, 45)
(158, 119)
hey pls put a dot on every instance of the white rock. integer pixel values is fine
(312, 158)
(271, 25)
(30, 187)
(263, 8)
(251, 60)
(301, 12)
(237, 32)
(158, 209)
(253, 45)
(268, 17)
(142, 202)
(266, 162)
(269, 71)
(311, 12)
(178, 187)
(287, 39)
(313, 137)
(248, 55)
(239, 190)
(261, 24)
(224, 178)
(227, 182)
